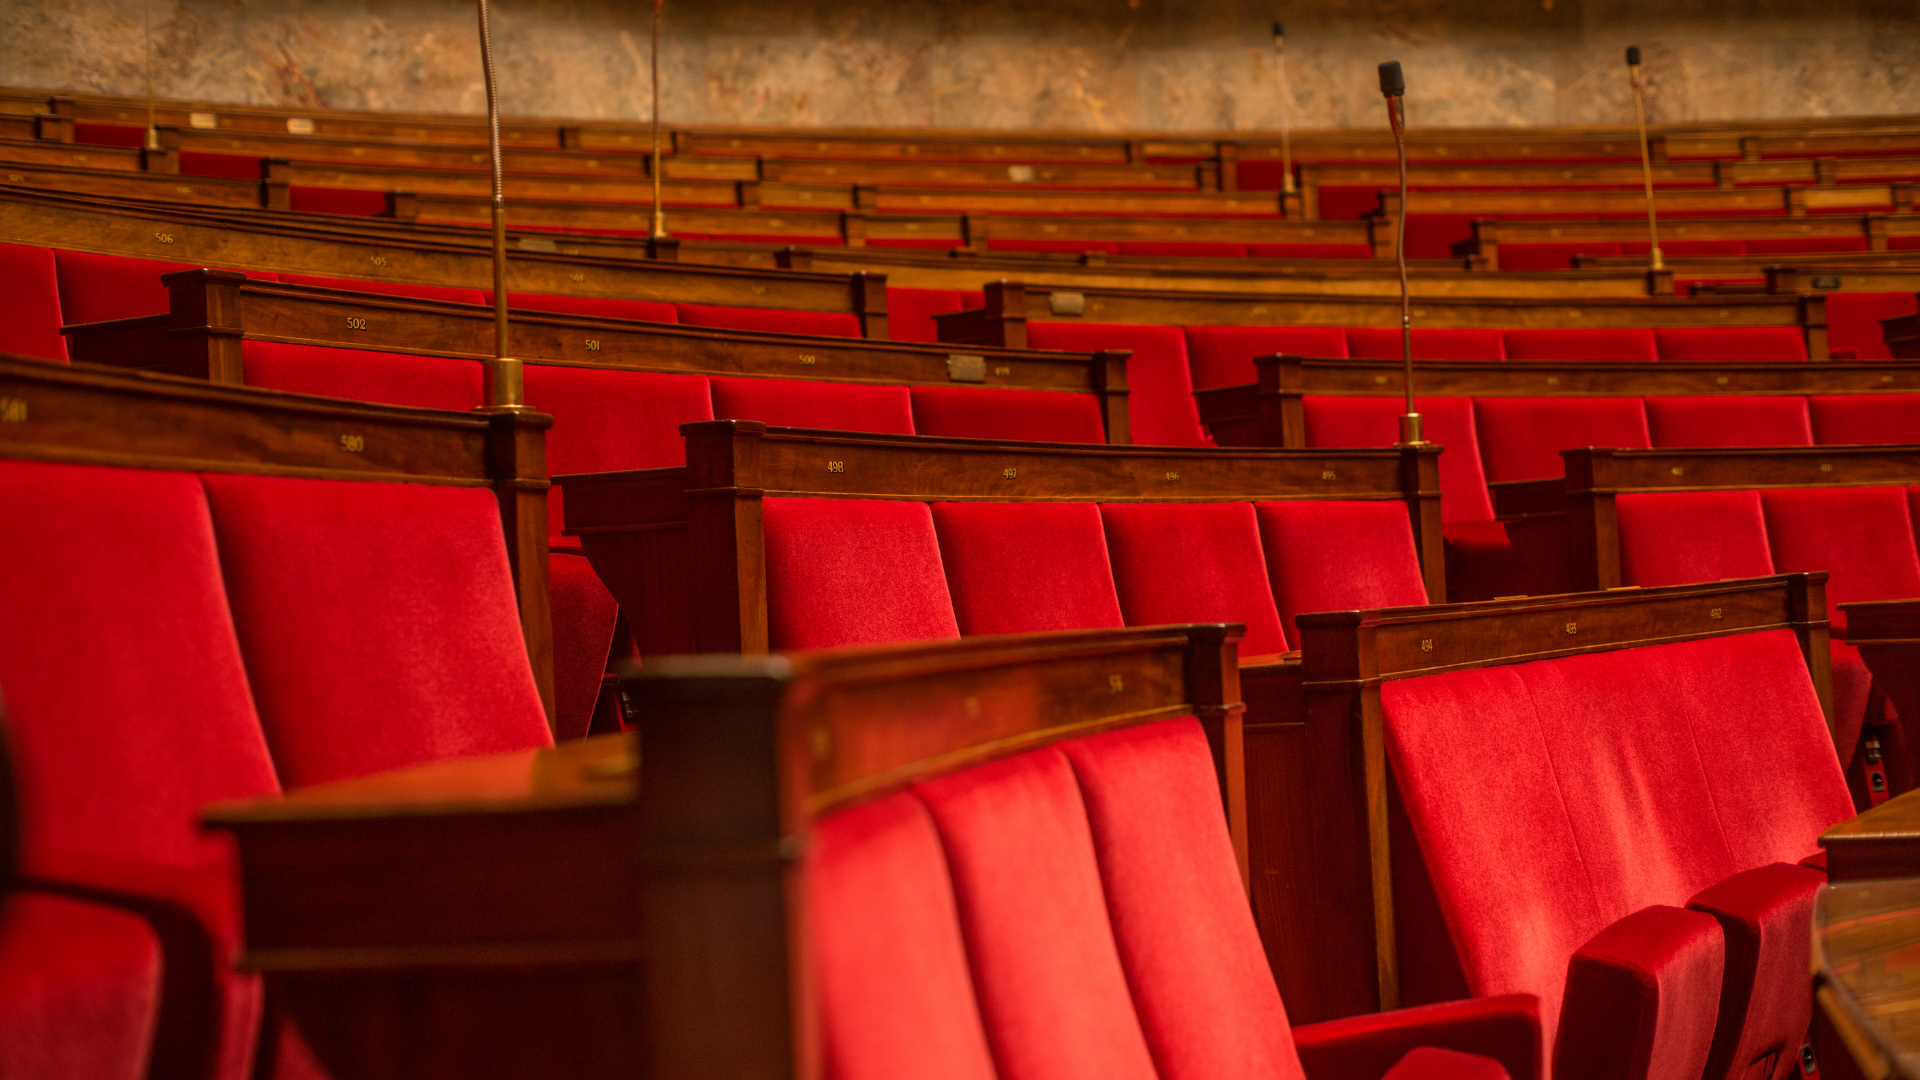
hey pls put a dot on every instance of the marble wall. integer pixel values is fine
(1089, 65)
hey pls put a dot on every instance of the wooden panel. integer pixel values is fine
(1863, 935)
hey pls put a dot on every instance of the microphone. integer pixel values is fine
(1393, 86)
(1656, 263)
(1286, 113)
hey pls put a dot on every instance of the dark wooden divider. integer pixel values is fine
(1875, 228)
(103, 416)
(628, 906)
(213, 311)
(1272, 412)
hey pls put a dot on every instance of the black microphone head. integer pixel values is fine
(1392, 82)
(1633, 56)
(1279, 29)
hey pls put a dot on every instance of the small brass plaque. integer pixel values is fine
(1826, 281)
(807, 360)
(1067, 303)
(576, 277)
(1573, 628)
(593, 344)
(353, 444)
(183, 190)
(378, 260)
(759, 290)
(1716, 613)
(1679, 471)
(1003, 371)
(13, 410)
(1719, 380)
(1116, 684)
(820, 741)
(355, 323)
(836, 466)
(1173, 478)
(1020, 174)
(16, 178)
(1379, 380)
(1825, 467)
(964, 368)
(1010, 473)
(299, 125)
(1426, 644)
(202, 121)
(1326, 474)
(163, 238)
(1553, 380)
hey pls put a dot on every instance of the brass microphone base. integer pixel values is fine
(505, 381)
(1410, 433)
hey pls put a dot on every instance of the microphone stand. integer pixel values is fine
(659, 232)
(1393, 86)
(1288, 196)
(505, 376)
(1646, 158)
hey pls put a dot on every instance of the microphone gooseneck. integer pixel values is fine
(505, 378)
(1286, 111)
(1656, 262)
(1393, 86)
(659, 216)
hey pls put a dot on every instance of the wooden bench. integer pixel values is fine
(825, 787)
(1682, 236)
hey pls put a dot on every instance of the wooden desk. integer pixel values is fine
(1866, 971)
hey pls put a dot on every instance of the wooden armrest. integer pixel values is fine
(1882, 622)
(1514, 499)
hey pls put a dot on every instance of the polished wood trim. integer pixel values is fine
(1863, 935)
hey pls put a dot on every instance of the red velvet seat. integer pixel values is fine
(598, 307)
(853, 572)
(996, 413)
(1853, 322)
(1016, 568)
(423, 382)
(448, 293)
(95, 288)
(800, 403)
(79, 989)
(351, 202)
(1521, 438)
(910, 312)
(1160, 409)
(378, 623)
(32, 288)
(1059, 247)
(1585, 344)
(1183, 249)
(771, 320)
(1630, 781)
(1338, 556)
(1223, 355)
(1731, 420)
(131, 710)
(1310, 251)
(1732, 343)
(1193, 562)
(1380, 343)
(1862, 537)
(1873, 419)
(1675, 538)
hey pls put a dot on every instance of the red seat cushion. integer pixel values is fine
(1873, 419)
(1643, 992)
(1766, 914)
(910, 312)
(1729, 420)
(1380, 343)
(1052, 991)
(448, 293)
(1438, 1063)
(1182, 249)
(1446, 421)
(1853, 321)
(1223, 355)
(354, 202)
(1735, 343)
(1339, 556)
(378, 622)
(853, 572)
(772, 320)
(1063, 247)
(425, 382)
(79, 989)
(1568, 344)
(1193, 562)
(584, 616)
(135, 639)
(1160, 408)
(1862, 537)
(597, 307)
(1551, 255)
(995, 413)
(95, 288)
(1521, 438)
(1201, 985)
(1806, 245)
(607, 419)
(1310, 251)
(800, 403)
(1675, 538)
(896, 998)
(1016, 568)
(32, 288)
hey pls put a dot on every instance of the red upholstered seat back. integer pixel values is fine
(1380, 343)
(1626, 779)
(1310, 251)
(1679, 537)
(1061, 247)
(424, 382)
(607, 419)
(799, 403)
(1448, 421)
(95, 288)
(998, 413)
(1873, 419)
(1339, 556)
(1193, 562)
(32, 288)
(1732, 420)
(771, 320)
(1183, 248)
(449, 293)
(910, 312)
(1568, 344)
(1853, 321)
(1015, 568)
(1521, 438)
(853, 572)
(1160, 409)
(1861, 536)
(1223, 355)
(598, 307)
(378, 622)
(1732, 343)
